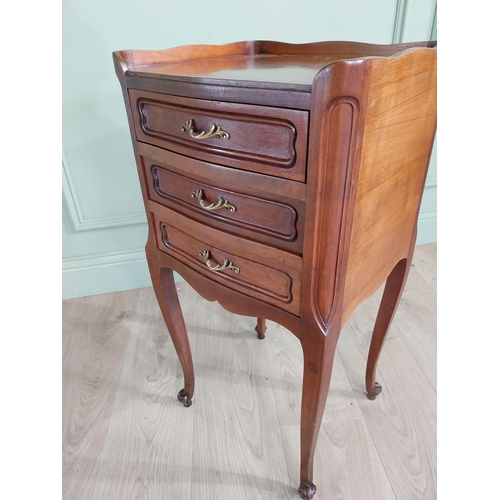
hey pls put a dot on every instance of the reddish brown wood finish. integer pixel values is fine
(268, 140)
(263, 272)
(164, 287)
(326, 205)
(263, 218)
(397, 143)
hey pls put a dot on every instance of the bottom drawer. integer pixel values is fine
(259, 271)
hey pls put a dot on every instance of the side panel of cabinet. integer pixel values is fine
(397, 144)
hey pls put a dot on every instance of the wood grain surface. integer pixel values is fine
(96, 335)
(362, 152)
(397, 144)
(125, 435)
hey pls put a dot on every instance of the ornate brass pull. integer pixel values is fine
(222, 203)
(215, 131)
(227, 264)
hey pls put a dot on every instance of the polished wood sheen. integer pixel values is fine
(277, 222)
(263, 139)
(320, 151)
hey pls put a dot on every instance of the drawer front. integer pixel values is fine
(211, 201)
(256, 138)
(264, 273)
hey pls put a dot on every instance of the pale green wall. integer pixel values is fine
(104, 228)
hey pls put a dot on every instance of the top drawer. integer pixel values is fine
(272, 141)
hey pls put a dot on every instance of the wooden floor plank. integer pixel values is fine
(95, 334)
(237, 447)
(424, 261)
(145, 455)
(416, 323)
(402, 420)
(346, 464)
(287, 364)
(125, 435)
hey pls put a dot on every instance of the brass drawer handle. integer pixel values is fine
(222, 203)
(213, 131)
(227, 264)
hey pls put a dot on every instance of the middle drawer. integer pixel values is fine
(227, 200)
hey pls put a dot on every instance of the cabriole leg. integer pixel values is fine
(166, 294)
(390, 299)
(318, 364)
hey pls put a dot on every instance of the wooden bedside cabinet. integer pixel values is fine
(283, 181)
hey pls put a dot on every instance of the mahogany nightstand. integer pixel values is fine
(283, 181)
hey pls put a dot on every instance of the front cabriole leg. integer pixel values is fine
(166, 294)
(319, 351)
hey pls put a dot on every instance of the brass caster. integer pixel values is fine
(307, 491)
(184, 398)
(377, 389)
(261, 335)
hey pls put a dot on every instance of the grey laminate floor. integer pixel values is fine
(126, 436)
